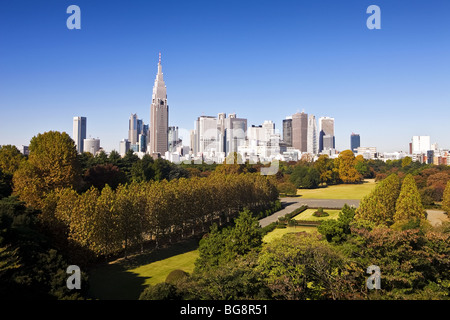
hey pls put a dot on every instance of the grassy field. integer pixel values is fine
(278, 233)
(308, 215)
(126, 279)
(341, 191)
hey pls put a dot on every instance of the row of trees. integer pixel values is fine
(110, 221)
(392, 201)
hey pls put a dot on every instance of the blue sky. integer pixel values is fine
(263, 60)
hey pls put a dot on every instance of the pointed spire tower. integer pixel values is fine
(159, 115)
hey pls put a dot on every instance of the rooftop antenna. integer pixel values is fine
(160, 58)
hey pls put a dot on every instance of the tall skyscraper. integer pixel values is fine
(421, 144)
(355, 142)
(159, 115)
(300, 131)
(326, 130)
(133, 129)
(79, 132)
(235, 133)
(312, 135)
(287, 131)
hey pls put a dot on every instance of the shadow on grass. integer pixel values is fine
(114, 281)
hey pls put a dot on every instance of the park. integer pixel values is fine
(127, 278)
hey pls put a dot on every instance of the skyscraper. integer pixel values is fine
(355, 142)
(79, 132)
(159, 115)
(287, 131)
(326, 128)
(421, 144)
(312, 135)
(300, 131)
(133, 129)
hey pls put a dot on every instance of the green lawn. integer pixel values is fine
(126, 279)
(278, 233)
(341, 191)
(157, 271)
(308, 215)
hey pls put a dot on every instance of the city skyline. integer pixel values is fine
(388, 85)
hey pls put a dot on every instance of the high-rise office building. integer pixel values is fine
(173, 138)
(421, 144)
(287, 131)
(235, 133)
(133, 129)
(221, 134)
(312, 146)
(79, 132)
(124, 146)
(326, 128)
(355, 142)
(300, 131)
(159, 115)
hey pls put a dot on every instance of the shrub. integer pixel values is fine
(160, 291)
(320, 213)
(175, 276)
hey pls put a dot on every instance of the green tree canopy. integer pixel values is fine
(379, 205)
(52, 164)
(409, 204)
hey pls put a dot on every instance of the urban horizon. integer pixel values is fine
(386, 84)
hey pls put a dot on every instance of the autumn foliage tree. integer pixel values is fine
(345, 163)
(409, 205)
(52, 164)
(379, 205)
(446, 199)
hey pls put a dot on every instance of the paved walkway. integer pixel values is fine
(436, 217)
(291, 203)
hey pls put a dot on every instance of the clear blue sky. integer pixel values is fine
(264, 60)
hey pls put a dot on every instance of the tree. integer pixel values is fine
(10, 159)
(409, 204)
(446, 199)
(305, 177)
(104, 174)
(324, 166)
(346, 166)
(338, 230)
(379, 205)
(52, 164)
(300, 266)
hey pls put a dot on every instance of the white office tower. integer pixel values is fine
(79, 132)
(312, 145)
(159, 115)
(421, 144)
(124, 146)
(207, 135)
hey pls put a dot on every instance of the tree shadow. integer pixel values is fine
(115, 281)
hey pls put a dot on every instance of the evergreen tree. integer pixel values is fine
(446, 199)
(379, 205)
(409, 204)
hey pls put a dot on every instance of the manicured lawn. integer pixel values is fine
(278, 233)
(157, 271)
(126, 279)
(341, 191)
(308, 215)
